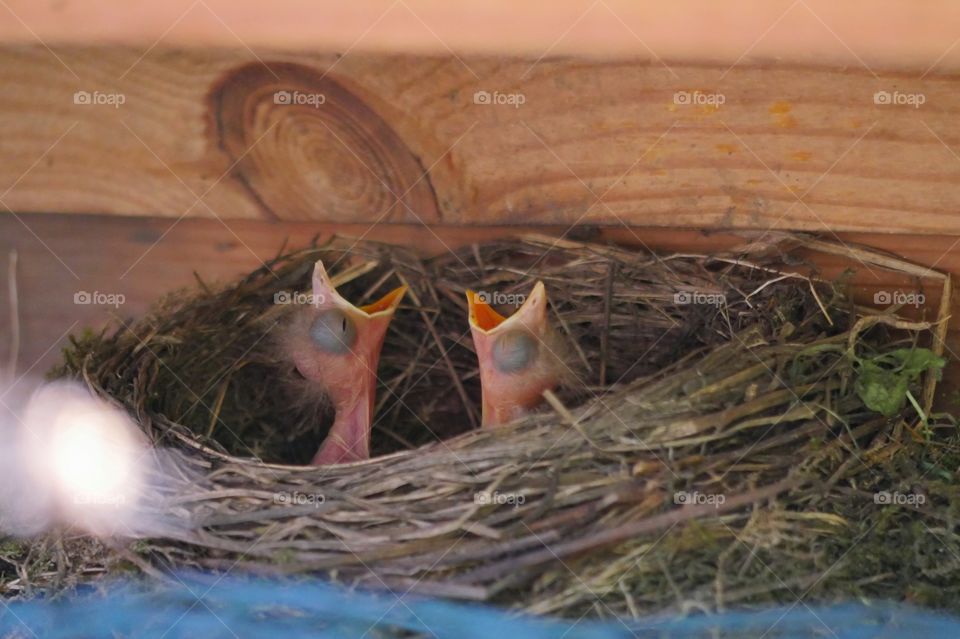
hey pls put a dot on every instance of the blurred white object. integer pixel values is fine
(75, 460)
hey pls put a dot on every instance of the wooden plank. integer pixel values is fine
(400, 138)
(141, 259)
(892, 33)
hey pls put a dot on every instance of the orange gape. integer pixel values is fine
(340, 351)
(516, 363)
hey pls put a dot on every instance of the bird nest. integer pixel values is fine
(725, 428)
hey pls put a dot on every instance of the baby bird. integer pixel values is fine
(517, 356)
(337, 346)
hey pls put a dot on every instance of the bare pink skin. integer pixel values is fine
(349, 378)
(509, 395)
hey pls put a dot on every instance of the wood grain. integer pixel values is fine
(903, 33)
(304, 144)
(141, 259)
(599, 142)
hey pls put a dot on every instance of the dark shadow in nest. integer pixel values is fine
(225, 376)
(620, 314)
(209, 361)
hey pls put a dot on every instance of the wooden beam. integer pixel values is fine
(891, 33)
(141, 259)
(477, 140)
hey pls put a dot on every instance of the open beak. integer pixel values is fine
(516, 365)
(343, 354)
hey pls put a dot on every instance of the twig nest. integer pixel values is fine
(689, 406)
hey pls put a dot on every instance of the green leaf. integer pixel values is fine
(883, 381)
(917, 360)
(882, 390)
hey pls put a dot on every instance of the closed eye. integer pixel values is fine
(333, 332)
(514, 351)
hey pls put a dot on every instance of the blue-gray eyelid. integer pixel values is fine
(514, 351)
(333, 332)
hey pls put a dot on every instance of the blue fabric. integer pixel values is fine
(211, 607)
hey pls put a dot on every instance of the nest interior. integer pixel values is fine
(217, 376)
(699, 456)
